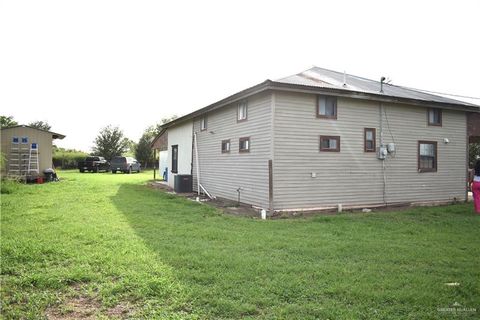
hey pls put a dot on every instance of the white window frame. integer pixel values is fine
(242, 111)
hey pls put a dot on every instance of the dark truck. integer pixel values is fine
(94, 164)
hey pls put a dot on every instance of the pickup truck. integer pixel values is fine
(94, 164)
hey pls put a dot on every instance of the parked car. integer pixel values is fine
(124, 164)
(94, 164)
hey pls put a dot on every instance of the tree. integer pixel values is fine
(143, 150)
(110, 143)
(42, 125)
(7, 121)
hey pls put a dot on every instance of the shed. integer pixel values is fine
(22, 145)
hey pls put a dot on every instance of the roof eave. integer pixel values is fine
(274, 85)
(54, 134)
(152, 144)
(372, 96)
(230, 99)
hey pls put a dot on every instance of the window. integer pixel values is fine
(434, 116)
(370, 140)
(242, 111)
(175, 159)
(24, 140)
(427, 156)
(330, 143)
(225, 146)
(326, 107)
(203, 124)
(15, 140)
(244, 145)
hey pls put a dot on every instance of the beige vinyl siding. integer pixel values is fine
(352, 176)
(404, 183)
(223, 173)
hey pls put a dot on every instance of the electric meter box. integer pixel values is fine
(391, 147)
(382, 153)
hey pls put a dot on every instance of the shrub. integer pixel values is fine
(9, 186)
(67, 159)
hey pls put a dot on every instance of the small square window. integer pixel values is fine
(244, 145)
(24, 140)
(434, 116)
(242, 111)
(327, 107)
(427, 156)
(330, 143)
(225, 146)
(370, 140)
(15, 140)
(203, 124)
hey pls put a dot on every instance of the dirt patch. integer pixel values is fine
(234, 208)
(86, 308)
(120, 311)
(75, 308)
(227, 206)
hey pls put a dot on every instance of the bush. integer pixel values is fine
(67, 159)
(9, 186)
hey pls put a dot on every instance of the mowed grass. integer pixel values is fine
(116, 243)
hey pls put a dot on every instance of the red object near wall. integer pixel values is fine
(39, 180)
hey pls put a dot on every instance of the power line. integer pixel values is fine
(446, 94)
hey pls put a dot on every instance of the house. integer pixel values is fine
(22, 145)
(320, 139)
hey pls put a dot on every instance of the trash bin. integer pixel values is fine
(165, 174)
(49, 174)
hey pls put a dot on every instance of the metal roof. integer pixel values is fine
(323, 81)
(329, 79)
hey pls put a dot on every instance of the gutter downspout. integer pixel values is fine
(271, 202)
(197, 162)
(467, 156)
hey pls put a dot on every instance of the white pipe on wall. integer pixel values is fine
(197, 162)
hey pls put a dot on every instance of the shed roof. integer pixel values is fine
(323, 81)
(54, 135)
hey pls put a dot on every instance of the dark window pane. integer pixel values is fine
(174, 159)
(427, 156)
(435, 116)
(244, 144)
(327, 106)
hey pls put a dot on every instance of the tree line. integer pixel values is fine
(111, 142)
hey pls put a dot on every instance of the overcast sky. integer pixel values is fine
(82, 65)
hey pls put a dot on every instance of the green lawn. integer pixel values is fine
(107, 246)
